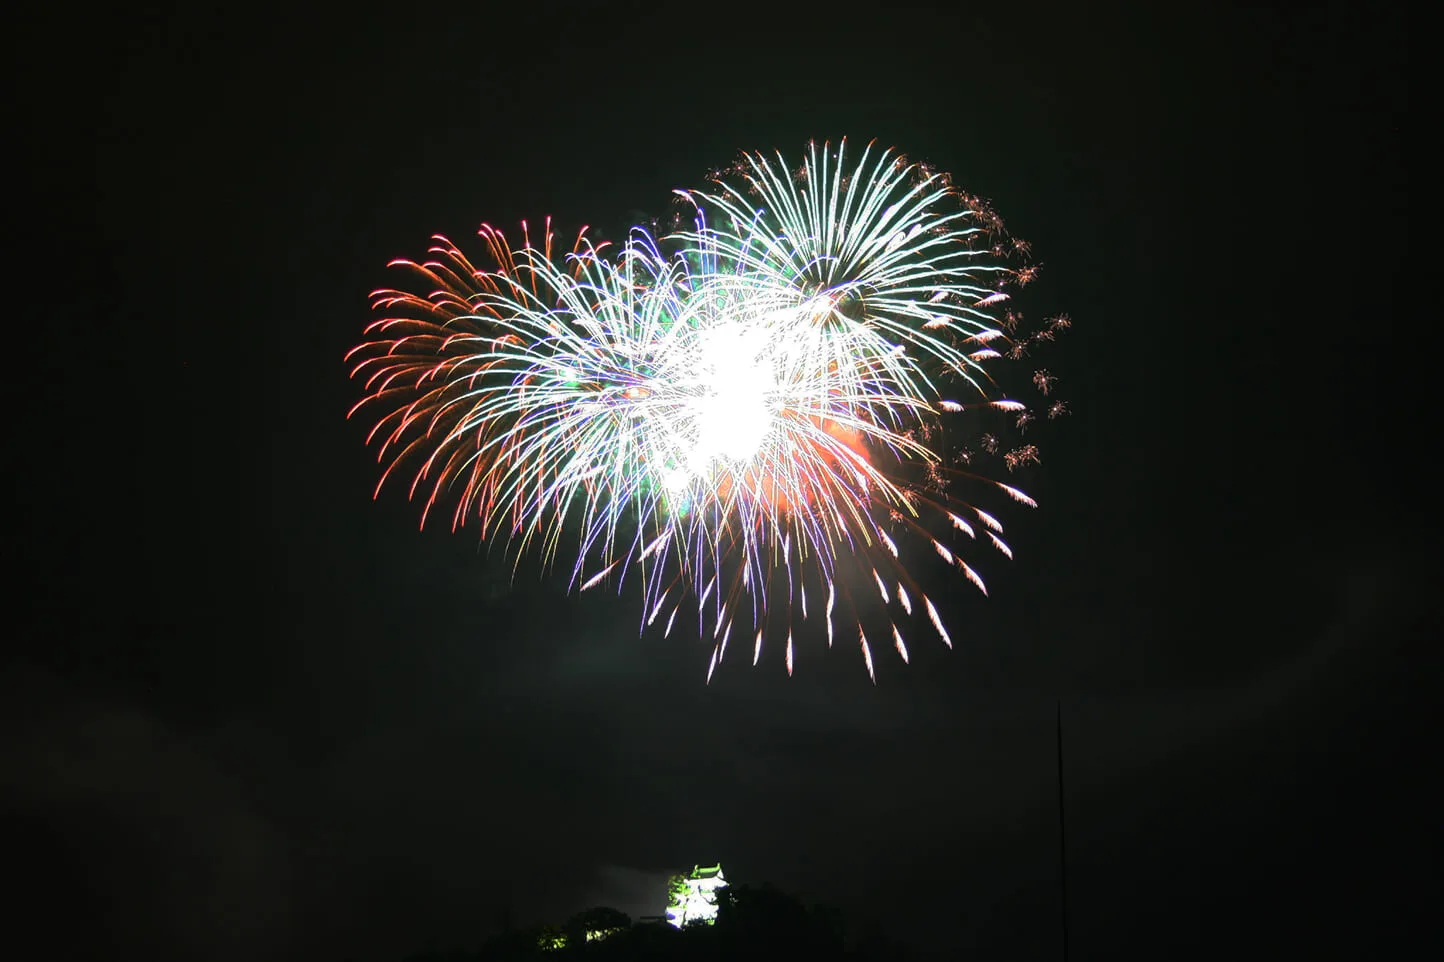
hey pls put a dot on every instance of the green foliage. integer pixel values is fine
(676, 890)
(550, 938)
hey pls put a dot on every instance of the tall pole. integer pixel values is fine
(1062, 836)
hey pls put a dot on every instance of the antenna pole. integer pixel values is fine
(1062, 835)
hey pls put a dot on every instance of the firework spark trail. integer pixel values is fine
(760, 389)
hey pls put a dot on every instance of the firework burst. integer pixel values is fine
(746, 413)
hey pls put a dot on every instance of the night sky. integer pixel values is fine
(254, 714)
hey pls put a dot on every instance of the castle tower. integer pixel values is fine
(692, 897)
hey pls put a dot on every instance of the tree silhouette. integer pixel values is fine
(753, 922)
(595, 924)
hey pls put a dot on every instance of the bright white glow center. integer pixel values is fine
(735, 387)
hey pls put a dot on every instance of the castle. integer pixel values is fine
(692, 898)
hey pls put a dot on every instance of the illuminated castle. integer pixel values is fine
(693, 897)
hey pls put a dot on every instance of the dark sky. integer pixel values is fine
(254, 714)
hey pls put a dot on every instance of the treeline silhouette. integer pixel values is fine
(753, 922)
